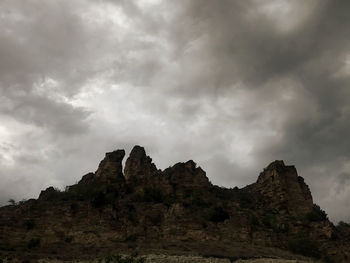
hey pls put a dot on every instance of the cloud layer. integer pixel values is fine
(233, 85)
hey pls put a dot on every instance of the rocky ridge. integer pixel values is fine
(175, 211)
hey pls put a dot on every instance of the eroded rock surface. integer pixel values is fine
(283, 189)
(111, 167)
(139, 166)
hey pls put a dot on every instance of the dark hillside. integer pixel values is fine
(175, 211)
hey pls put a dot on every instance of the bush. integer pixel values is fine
(74, 208)
(254, 223)
(33, 243)
(195, 199)
(12, 202)
(5, 246)
(29, 224)
(131, 238)
(245, 200)
(302, 244)
(270, 221)
(124, 259)
(149, 194)
(155, 219)
(316, 214)
(153, 195)
(99, 200)
(68, 239)
(343, 224)
(92, 190)
(218, 214)
(132, 214)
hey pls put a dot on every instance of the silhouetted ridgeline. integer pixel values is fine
(175, 211)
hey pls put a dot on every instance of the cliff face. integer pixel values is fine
(283, 189)
(173, 211)
(139, 166)
(111, 167)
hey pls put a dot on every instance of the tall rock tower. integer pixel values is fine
(283, 189)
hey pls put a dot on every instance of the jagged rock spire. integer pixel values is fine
(110, 168)
(284, 189)
(139, 165)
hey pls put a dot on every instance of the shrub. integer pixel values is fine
(68, 239)
(269, 221)
(52, 194)
(6, 246)
(99, 200)
(156, 219)
(33, 243)
(343, 224)
(316, 214)
(153, 195)
(131, 238)
(12, 201)
(124, 259)
(254, 223)
(302, 244)
(245, 200)
(90, 191)
(149, 194)
(195, 199)
(74, 208)
(22, 201)
(218, 214)
(132, 214)
(29, 224)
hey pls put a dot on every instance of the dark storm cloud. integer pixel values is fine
(242, 45)
(230, 84)
(59, 117)
(41, 42)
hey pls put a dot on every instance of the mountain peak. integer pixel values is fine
(139, 165)
(284, 189)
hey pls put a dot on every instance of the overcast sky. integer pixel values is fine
(230, 84)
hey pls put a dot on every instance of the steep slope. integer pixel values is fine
(175, 211)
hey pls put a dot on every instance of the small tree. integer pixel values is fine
(304, 245)
(317, 214)
(12, 201)
(343, 224)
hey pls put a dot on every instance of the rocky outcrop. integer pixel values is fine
(187, 176)
(176, 210)
(87, 178)
(283, 189)
(111, 167)
(47, 193)
(139, 166)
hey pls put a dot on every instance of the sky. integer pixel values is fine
(233, 85)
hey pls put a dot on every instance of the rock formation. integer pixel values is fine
(187, 175)
(111, 167)
(283, 189)
(176, 211)
(139, 166)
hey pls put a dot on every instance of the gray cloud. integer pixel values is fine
(230, 84)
